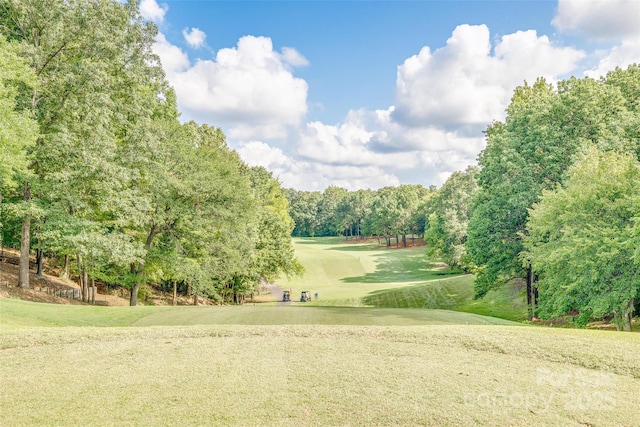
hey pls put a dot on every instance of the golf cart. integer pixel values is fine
(286, 296)
(305, 296)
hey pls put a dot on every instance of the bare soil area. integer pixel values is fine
(43, 287)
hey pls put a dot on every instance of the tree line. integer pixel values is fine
(98, 174)
(554, 202)
(389, 213)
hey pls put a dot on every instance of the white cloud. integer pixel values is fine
(599, 19)
(464, 86)
(151, 10)
(349, 143)
(173, 59)
(444, 99)
(293, 57)
(258, 153)
(627, 53)
(313, 175)
(194, 37)
(247, 89)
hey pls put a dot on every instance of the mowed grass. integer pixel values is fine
(377, 349)
(20, 314)
(364, 274)
(317, 375)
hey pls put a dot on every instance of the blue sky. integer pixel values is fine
(365, 94)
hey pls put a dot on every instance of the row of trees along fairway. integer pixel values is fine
(559, 201)
(98, 173)
(390, 212)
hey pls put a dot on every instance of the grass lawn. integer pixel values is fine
(350, 274)
(381, 347)
(434, 375)
(21, 314)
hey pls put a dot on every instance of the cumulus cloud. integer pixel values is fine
(599, 19)
(444, 98)
(464, 86)
(151, 10)
(293, 57)
(627, 53)
(314, 175)
(194, 37)
(173, 59)
(349, 143)
(250, 87)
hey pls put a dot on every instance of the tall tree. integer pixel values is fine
(90, 57)
(449, 212)
(530, 152)
(18, 133)
(303, 209)
(580, 240)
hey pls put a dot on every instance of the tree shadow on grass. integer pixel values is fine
(392, 269)
(364, 247)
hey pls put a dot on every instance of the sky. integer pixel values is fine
(368, 94)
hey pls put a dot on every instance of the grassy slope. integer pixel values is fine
(364, 274)
(18, 314)
(318, 375)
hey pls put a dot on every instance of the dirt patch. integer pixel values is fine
(43, 287)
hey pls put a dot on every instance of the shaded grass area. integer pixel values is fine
(318, 375)
(18, 313)
(454, 293)
(297, 315)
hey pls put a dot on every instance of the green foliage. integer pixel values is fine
(580, 240)
(17, 129)
(531, 151)
(449, 211)
(303, 210)
(119, 185)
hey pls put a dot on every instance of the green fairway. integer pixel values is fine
(295, 315)
(364, 274)
(16, 314)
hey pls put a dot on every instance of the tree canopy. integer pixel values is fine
(580, 239)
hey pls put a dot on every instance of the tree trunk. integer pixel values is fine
(175, 292)
(25, 240)
(65, 270)
(623, 321)
(133, 296)
(39, 258)
(93, 291)
(529, 293)
(195, 299)
(137, 270)
(85, 281)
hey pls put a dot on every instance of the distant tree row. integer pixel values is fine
(98, 174)
(389, 213)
